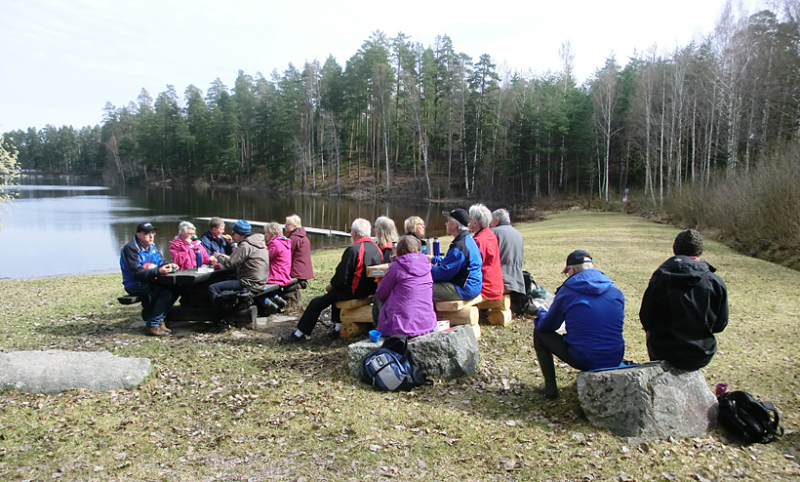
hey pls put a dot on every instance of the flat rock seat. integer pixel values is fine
(461, 313)
(356, 316)
(54, 371)
(650, 401)
(500, 313)
(447, 354)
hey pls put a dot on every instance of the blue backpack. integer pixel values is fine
(393, 368)
(387, 370)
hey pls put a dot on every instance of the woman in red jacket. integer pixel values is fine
(479, 219)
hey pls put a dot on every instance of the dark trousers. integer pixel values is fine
(161, 300)
(315, 307)
(548, 344)
(217, 288)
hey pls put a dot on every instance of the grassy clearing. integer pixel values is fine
(240, 406)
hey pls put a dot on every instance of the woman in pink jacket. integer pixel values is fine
(184, 250)
(280, 255)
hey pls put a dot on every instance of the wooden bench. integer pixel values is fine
(500, 313)
(377, 270)
(356, 316)
(461, 313)
(130, 299)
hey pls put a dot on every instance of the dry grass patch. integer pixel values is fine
(241, 406)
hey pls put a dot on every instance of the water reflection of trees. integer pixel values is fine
(167, 206)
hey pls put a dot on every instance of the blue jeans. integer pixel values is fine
(161, 300)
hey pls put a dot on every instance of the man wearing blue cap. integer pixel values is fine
(251, 260)
(593, 310)
(141, 263)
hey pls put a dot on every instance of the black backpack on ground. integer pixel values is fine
(413, 376)
(744, 417)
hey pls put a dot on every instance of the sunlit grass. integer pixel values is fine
(241, 406)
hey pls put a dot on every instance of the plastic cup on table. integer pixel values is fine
(374, 336)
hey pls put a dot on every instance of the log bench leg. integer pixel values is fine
(465, 316)
(350, 329)
(500, 317)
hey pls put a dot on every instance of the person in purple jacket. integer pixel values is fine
(407, 292)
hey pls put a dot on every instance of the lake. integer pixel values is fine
(64, 225)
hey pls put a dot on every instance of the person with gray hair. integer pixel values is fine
(385, 236)
(349, 282)
(186, 250)
(684, 305)
(302, 269)
(479, 219)
(457, 275)
(512, 252)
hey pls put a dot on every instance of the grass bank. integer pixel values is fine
(240, 406)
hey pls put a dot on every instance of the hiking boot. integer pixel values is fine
(292, 338)
(334, 335)
(155, 331)
(163, 326)
(280, 302)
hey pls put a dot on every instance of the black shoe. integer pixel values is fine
(334, 335)
(218, 327)
(270, 308)
(292, 338)
(280, 302)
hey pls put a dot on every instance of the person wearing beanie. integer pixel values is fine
(251, 261)
(684, 305)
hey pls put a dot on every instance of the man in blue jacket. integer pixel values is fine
(457, 276)
(141, 263)
(593, 309)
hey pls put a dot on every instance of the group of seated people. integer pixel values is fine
(684, 305)
(275, 257)
(484, 263)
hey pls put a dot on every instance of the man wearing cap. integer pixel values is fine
(683, 306)
(251, 260)
(141, 263)
(593, 310)
(350, 281)
(457, 275)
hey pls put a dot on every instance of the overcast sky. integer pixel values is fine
(62, 60)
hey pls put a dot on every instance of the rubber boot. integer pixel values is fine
(547, 365)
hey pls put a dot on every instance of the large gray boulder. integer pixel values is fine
(652, 401)
(442, 354)
(54, 371)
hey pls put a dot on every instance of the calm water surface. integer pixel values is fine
(69, 225)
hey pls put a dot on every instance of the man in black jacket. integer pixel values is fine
(349, 282)
(684, 305)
